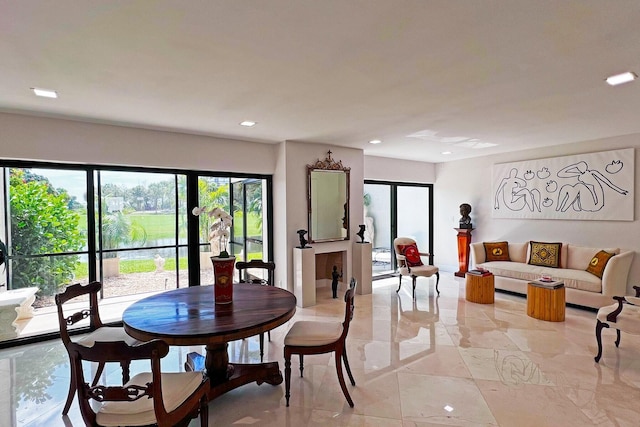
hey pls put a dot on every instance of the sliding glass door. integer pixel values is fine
(396, 209)
(129, 228)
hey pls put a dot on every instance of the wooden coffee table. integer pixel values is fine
(546, 301)
(480, 288)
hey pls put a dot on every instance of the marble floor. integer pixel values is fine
(431, 362)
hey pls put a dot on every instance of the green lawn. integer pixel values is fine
(134, 266)
(162, 226)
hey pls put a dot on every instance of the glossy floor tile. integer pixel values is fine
(434, 361)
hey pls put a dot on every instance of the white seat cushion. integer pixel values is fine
(306, 333)
(105, 334)
(176, 388)
(628, 320)
(423, 270)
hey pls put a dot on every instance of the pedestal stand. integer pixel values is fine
(304, 276)
(464, 240)
(362, 267)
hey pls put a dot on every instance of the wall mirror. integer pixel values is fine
(328, 200)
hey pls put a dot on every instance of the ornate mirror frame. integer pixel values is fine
(328, 200)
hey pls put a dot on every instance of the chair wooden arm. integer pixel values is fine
(402, 260)
(611, 317)
(424, 254)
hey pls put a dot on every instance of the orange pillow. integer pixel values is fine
(496, 251)
(598, 263)
(411, 254)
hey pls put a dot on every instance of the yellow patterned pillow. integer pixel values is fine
(545, 254)
(598, 263)
(496, 251)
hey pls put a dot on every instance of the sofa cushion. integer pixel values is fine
(575, 279)
(598, 263)
(496, 251)
(518, 251)
(579, 257)
(545, 254)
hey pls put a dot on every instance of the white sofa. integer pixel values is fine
(582, 287)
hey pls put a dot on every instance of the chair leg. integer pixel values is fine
(261, 346)
(72, 390)
(414, 286)
(346, 365)
(343, 385)
(399, 284)
(301, 364)
(599, 327)
(437, 282)
(204, 411)
(617, 337)
(287, 374)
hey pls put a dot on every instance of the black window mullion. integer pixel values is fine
(91, 226)
(193, 230)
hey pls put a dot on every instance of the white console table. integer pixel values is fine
(362, 267)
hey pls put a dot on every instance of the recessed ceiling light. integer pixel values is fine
(375, 141)
(47, 93)
(448, 408)
(619, 79)
(248, 123)
(446, 153)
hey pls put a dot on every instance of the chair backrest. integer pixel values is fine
(90, 310)
(108, 351)
(246, 276)
(349, 298)
(399, 242)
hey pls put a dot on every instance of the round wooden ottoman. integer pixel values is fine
(480, 288)
(546, 302)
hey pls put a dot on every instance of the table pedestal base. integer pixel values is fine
(225, 376)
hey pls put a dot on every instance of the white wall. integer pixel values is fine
(384, 169)
(469, 181)
(38, 138)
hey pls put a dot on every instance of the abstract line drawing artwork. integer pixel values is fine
(593, 186)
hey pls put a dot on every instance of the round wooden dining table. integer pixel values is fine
(189, 316)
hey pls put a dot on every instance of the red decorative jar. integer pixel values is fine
(223, 273)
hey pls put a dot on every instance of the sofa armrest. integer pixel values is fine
(478, 255)
(616, 273)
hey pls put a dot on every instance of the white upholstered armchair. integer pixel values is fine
(410, 263)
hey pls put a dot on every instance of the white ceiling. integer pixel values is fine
(520, 74)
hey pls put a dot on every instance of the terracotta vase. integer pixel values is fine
(223, 273)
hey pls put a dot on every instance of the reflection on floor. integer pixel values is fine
(436, 361)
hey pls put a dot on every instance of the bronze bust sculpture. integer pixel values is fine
(465, 220)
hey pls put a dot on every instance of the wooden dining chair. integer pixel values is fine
(315, 337)
(248, 273)
(83, 301)
(149, 398)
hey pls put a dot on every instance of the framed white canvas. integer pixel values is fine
(593, 186)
